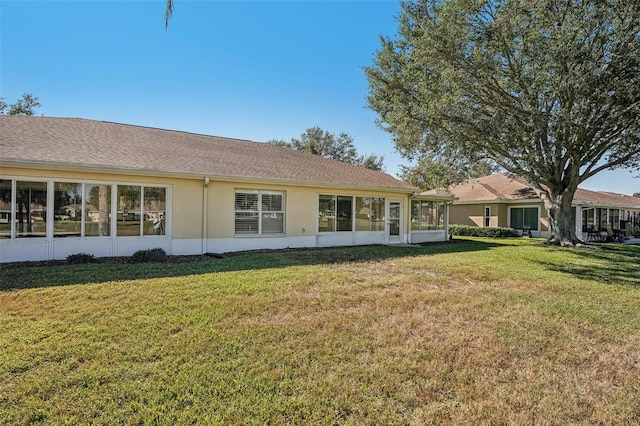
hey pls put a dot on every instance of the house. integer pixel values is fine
(509, 201)
(70, 185)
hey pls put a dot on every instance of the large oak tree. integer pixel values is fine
(547, 89)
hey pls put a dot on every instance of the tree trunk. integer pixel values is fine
(562, 229)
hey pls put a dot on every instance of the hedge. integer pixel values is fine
(485, 231)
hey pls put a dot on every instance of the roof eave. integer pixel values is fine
(58, 166)
(433, 197)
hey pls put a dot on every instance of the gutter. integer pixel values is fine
(185, 175)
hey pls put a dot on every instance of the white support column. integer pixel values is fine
(578, 224)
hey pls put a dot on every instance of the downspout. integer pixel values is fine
(205, 215)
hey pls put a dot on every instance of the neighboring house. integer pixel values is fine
(505, 200)
(71, 185)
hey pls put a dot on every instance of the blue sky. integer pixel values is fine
(255, 70)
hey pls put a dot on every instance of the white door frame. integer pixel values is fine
(394, 239)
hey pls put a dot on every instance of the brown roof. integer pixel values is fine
(76, 142)
(507, 187)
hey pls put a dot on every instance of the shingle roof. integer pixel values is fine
(603, 198)
(120, 147)
(507, 187)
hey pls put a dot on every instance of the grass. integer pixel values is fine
(480, 331)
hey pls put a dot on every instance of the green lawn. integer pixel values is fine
(480, 331)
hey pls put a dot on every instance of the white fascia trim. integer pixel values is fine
(585, 205)
(181, 175)
(421, 197)
(498, 201)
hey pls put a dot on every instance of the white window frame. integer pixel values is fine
(259, 211)
(335, 198)
(487, 216)
(430, 227)
(50, 182)
(355, 218)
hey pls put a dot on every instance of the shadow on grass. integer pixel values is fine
(610, 263)
(48, 274)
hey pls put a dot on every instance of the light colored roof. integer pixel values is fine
(506, 187)
(82, 143)
(435, 194)
(499, 186)
(603, 198)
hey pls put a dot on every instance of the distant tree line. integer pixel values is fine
(23, 106)
(329, 145)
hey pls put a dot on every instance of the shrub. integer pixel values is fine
(635, 232)
(78, 258)
(486, 231)
(151, 255)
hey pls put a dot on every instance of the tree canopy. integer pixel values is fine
(547, 89)
(23, 106)
(430, 173)
(336, 147)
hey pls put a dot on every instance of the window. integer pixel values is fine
(600, 221)
(327, 213)
(259, 212)
(129, 211)
(141, 210)
(346, 213)
(344, 218)
(487, 216)
(377, 214)
(31, 209)
(79, 209)
(97, 210)
(600, 218)
(614, 218)
(370, 214)
(427, 215)
(525, 218)
(67, 209)
(335, 213)
(154, 208)
(587, 219)
(6, 195)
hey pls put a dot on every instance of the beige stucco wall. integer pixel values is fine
(502, 215)
(473, 214)
(201, 217)
(186, 196)
(466, 214)
(301, 204)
